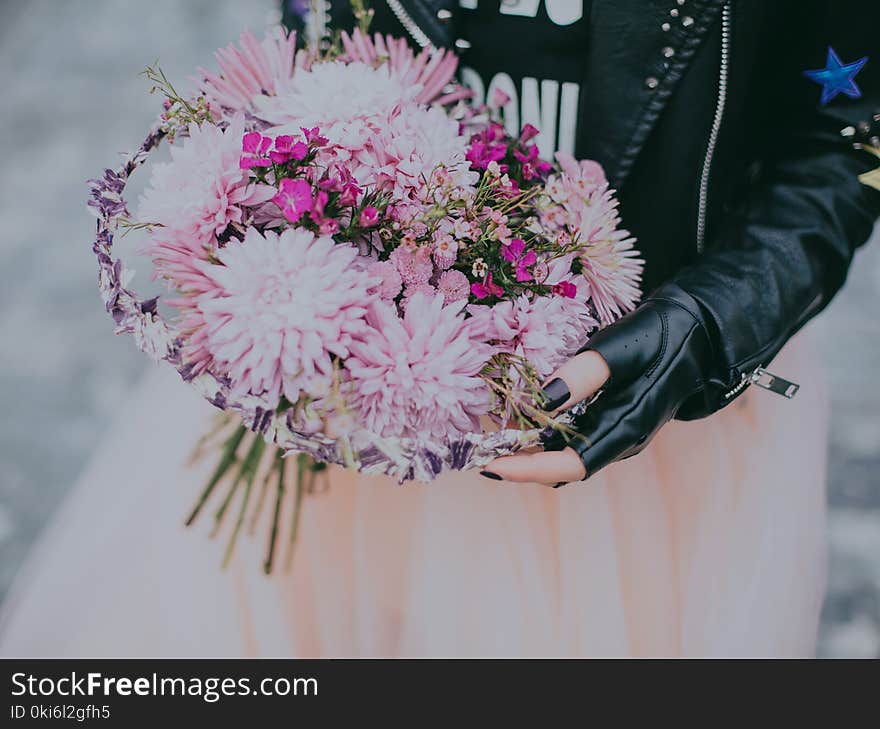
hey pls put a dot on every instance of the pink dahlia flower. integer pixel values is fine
(348, 102)
(281, 306)
(431, 70)
(418, 376)
(249, 70)
(546, 330)
(580, 205)
(410, 147)
(612, 269)
(196, 195)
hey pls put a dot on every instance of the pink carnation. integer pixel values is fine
(414, 266)
(281, 306)
(454, 286)
(418, 376)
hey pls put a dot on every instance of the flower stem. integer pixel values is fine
(246, 472)
(281, 466)
(301, 467)
(227, 460)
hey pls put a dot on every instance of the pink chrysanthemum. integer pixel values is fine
(249, 70)
(196, 196)
(281, 307)
(580, 205)
(410, 147)
(431, 70)
(362, 100)
(546, 330)
(613, 271)
(409, 292)
(418, 376)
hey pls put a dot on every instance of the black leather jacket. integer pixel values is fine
(741, 188)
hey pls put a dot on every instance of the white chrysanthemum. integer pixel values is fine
(280, 308)
(348, 102)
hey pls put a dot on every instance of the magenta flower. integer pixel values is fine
(313, 136)
(369, 217)
(566, 289)
(349, 194)
(294, 198)
(528, 133)
(328, 226)
(480, 154)
(287, 149)
(255, 146)
(515, 252)
(486, 288)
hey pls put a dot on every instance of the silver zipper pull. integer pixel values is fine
(774, 383)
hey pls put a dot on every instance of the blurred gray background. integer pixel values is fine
(72, 100)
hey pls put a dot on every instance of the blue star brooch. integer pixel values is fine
(837, 77)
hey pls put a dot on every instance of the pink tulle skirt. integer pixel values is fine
(710, 543)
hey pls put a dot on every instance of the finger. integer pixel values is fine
(578, 379)
(619, 425)
(548, 467)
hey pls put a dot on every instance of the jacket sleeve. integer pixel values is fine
(779, 261)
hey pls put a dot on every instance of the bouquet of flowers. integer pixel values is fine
(364, 269)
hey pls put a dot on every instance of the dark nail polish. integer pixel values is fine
(489, 474)
(554, 394)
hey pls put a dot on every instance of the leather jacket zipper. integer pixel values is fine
(767, 380)
(720, 104)
(409, 25)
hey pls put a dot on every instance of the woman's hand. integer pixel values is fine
(646, 365)
(578, 379)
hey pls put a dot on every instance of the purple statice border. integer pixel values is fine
(404, 459)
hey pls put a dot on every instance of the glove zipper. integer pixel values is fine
(720, 104)
(767, 380)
